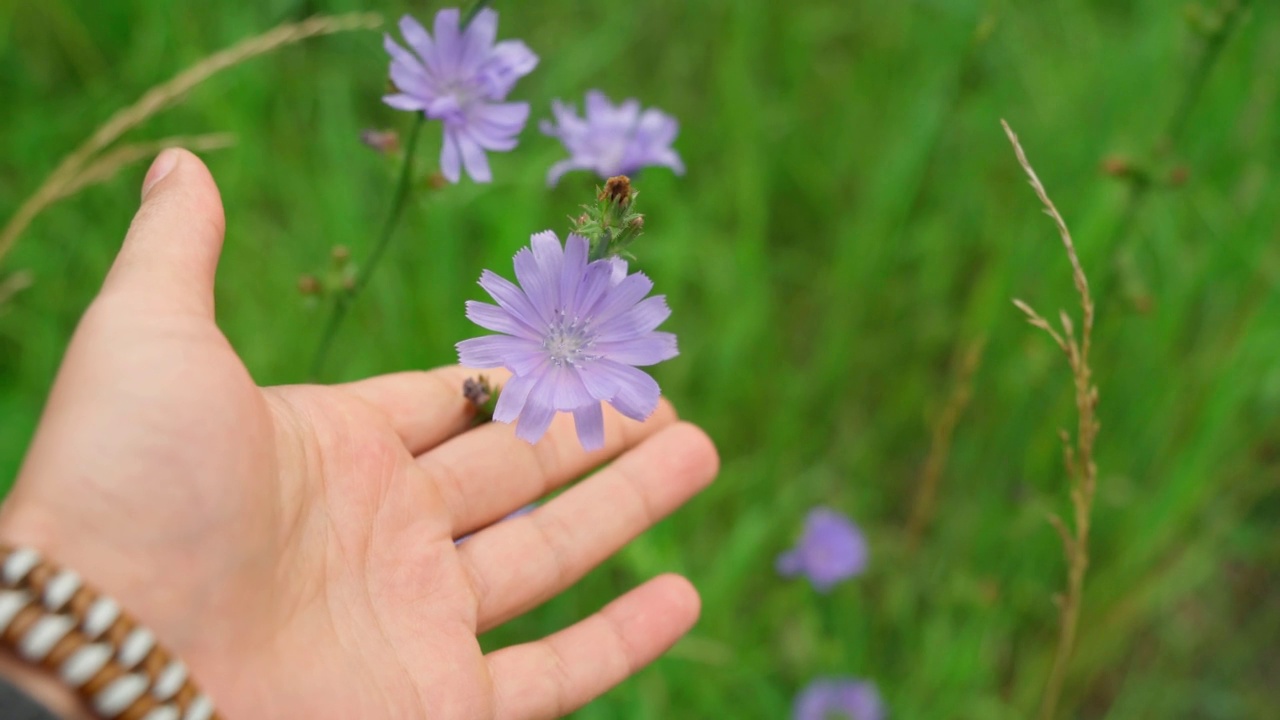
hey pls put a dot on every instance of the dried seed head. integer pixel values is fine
(386, 142)
(617, 190)
(477, 390)
(309, 285)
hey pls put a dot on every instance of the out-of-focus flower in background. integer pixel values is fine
(830, 550)
(612, 140)
(574, 332)
(461, 78)
(838, 699)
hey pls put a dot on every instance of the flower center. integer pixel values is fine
(569, 340)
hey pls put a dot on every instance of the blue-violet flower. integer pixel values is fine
(612, 140)
(460, 77)
(574, 332)
(838, 699)
(831, 549)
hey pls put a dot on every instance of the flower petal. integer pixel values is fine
(490, 351)
(790, 563)
(448, 43)
(570, 391)
(641, 318)
(597, 278)
(538, 411)
(649, 349)
(492, 317)
(477, 40)
(400, 56)
(540, 288)
(512, 398)
(474, 159)
(634, 393)
(418, 39)
(450, 163)
(401, 101)
(512, 299)
(509, 61)
(621, 297)
(588, 420)
(572, 271)
(558, 170)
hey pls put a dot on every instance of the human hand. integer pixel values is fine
(295, 545)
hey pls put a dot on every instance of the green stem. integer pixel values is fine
(473, 12)
(342, 303)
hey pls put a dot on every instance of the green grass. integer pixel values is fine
(852, 219)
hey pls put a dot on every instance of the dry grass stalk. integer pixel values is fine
(922, 510)
(112, 162)
(67, 173)
(12, 285)
(1082, 471)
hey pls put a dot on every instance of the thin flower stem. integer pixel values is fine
(342, 303)
(473, 12)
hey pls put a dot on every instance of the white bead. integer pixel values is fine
(84, 664)
(11, 603)
(119, 695)
(18, 564)
(164, 712)
(200, 709)
(101, 615)
(43, 635)
(169, 681)
(60, 588)
(136, 646)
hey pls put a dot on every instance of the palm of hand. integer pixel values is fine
(296, 545)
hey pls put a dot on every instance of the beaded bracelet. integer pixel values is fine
(50, 619)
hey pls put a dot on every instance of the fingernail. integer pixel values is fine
(163, 164)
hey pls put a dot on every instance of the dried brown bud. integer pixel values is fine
(1117, 166)
(309, 285)
(386, 142)
(637, 223)
(340, 253)
(617, 190)
(583, 218)
(436, 180)
(1179, 175)
(476, 390)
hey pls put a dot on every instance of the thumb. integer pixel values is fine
(170, 255)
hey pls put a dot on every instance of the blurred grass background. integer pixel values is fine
(852, 224)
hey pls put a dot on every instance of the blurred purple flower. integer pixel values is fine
(612, 140)
(461, 77)
(831, 549)
(573, 333)
(838, 699)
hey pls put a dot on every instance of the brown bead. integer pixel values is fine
(155, 662)
(139, 708)
(39, 577)
(80, 603)
(64, 649)
(21, 623)
(107, 675)
(119, 630)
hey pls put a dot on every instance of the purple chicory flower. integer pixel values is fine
(574, 334)
(831, 549)
(838, 699)
(461, 78)
(612, 140)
